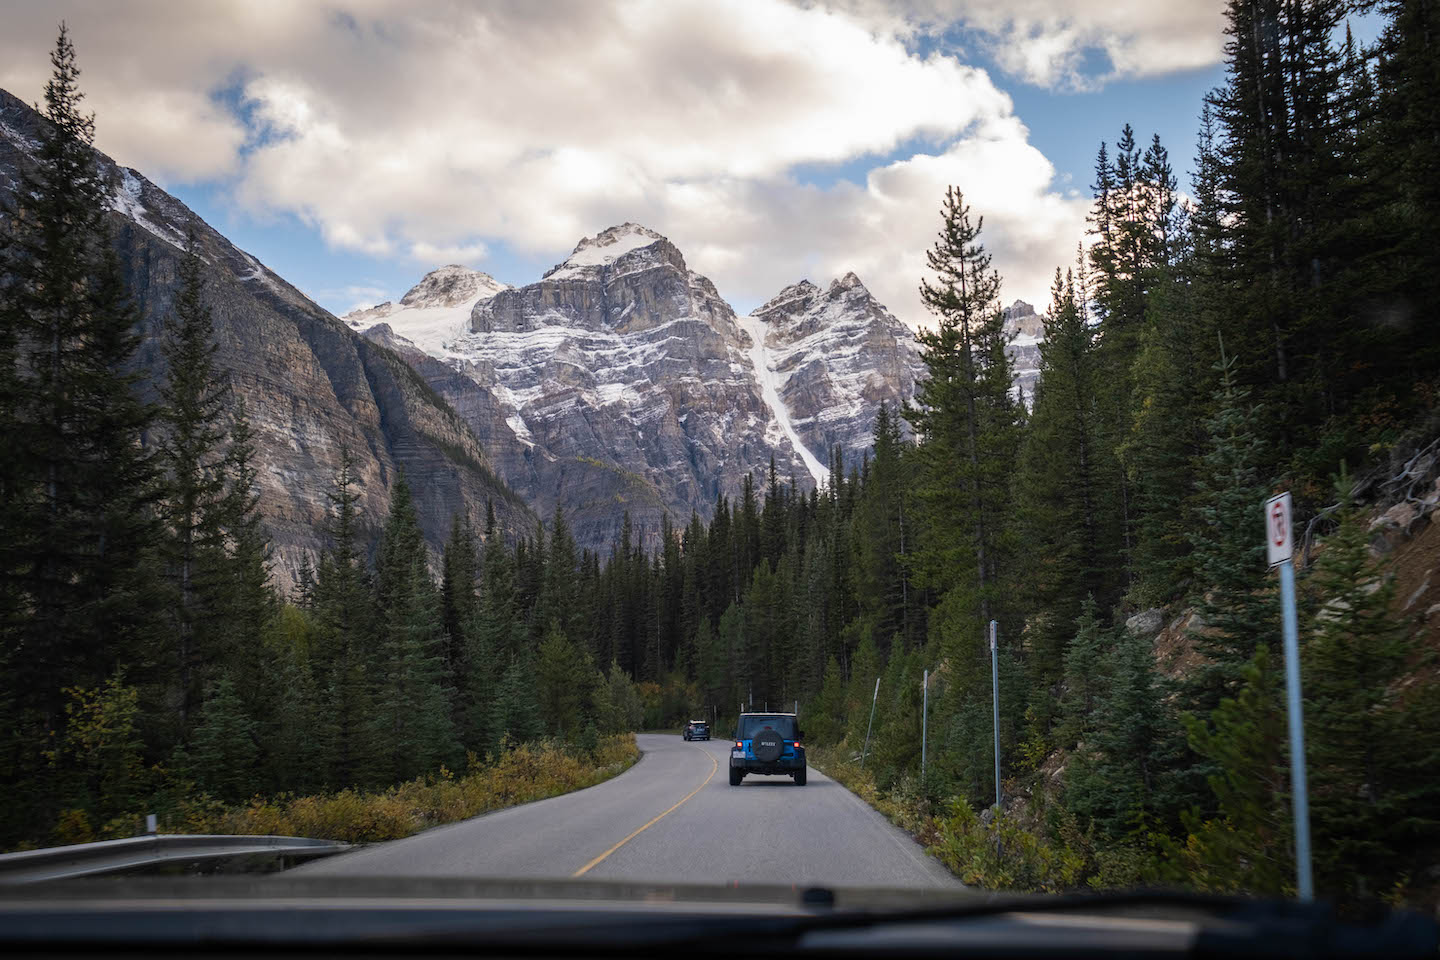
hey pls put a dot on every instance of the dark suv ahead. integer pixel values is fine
(767, 743)
(697, 730)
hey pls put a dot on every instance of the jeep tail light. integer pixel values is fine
(797, 745)
(739, 745)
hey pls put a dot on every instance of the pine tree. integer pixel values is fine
(85, 534)
(1126, 784)
(967, 416)
(563, 675)
(1248, 844)
(1236, 611)
(224, 751)
(560, 601)
(1085, 680)
(246, 596)
(1372, 725)
(296, 728)
(1065, 486)
(194, 402)
(346, 615)
(459, 602)
(516, 709)
(413, 723)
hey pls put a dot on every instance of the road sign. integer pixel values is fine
(1279, 533)
(1279, 547)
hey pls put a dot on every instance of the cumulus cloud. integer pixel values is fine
(428, 132)
(1055, 43)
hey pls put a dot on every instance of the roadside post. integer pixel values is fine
(1280, 552)
(866, 752)
(924, 718)
(995, 688)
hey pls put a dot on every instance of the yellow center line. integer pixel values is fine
(714, 766)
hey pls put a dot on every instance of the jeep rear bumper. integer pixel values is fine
(785, 765)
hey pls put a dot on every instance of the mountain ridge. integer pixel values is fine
(311, 385)
(621, 355)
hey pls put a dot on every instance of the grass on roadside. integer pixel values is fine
(523, 774)
(1000, 854)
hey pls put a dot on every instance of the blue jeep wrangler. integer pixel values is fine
(767, 743)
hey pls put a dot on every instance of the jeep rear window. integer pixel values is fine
(750, 726)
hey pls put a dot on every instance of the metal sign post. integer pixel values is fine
(924, 717)
(866, 752)
(1280, 551)
(995, 686)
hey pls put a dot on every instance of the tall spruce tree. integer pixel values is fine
(1236, 609)
(346, 649)
(194, 456)
(413, 726)
(1064, 488)
(82, 535)
(1372, 720)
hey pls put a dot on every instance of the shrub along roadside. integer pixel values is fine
(995, 854)
(522, 774)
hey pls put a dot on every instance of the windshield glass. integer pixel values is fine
(414, 416)
(750, 726)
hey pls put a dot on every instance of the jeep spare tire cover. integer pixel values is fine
(767, 745)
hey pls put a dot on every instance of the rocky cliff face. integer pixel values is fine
(618, 382)
(834, 354)
(310, 385)
(622, 381)
(1026, 328)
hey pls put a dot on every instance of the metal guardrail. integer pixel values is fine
(112, 856)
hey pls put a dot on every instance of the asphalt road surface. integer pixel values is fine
(671, 818)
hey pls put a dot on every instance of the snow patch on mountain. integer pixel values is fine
(770, 385)
(603, 248)
(127, 200)
(435, 312)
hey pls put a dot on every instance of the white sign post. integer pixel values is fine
(924, 718)
(1280, 551)
(866, 752)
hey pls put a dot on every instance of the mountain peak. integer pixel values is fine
(793, 295)
(450, 286)
(848, 282)
(1019, 309)
(604, 248)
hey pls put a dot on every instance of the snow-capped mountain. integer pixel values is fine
(833, 355)
(622, 381)
(435, 311)
(1025, 328)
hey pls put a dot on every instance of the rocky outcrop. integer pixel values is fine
(311, 385)
(617, 383)
(1025, 329)
(838, 354)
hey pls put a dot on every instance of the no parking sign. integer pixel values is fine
(1279, 535)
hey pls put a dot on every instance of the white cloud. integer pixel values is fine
(430, 131)
(1047, 42)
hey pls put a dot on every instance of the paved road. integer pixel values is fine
(671, 818)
